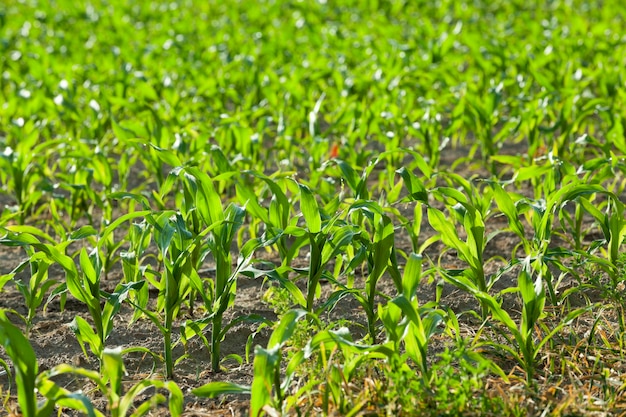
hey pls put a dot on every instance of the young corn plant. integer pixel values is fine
(36, 287)
(135, 255)
(317, 240)
(326, 240)
(84, 285)
(214, 229)
(138, 238)
(267, 369)
(376, 248)
(340, 238)
(39, 258)
(25, 166)
(109, 381)
(406, 321)
(216, 304)
(186, 201)
(223, 225)
(267, 386)
(28, 380)
(541, 216)
(380, 258)
(470, 249)
(334, 237)
(524, 345)
(412, 327)
(276, 217)
(174, 243)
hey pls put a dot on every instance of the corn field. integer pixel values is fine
(283, 207)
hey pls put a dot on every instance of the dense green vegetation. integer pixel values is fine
(371, 147)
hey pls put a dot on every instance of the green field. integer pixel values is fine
(350, 207)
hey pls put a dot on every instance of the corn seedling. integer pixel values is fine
(174, 242)
(28, 380)
(267, 365)
(36, 287)
(524, 346)
(110, 383)
(25, 171)
(471, 250)
(177, 157)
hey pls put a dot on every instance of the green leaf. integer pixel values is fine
(349, 175)
(414, 185)
(113, 371)
(83, 232)
(382, 246)
(90, 273)
(507, 207)
(208, 201)
(265, 362)
(448, 232)
(165, 155)
(285, 328)
(164, 232)
(176, 398)
(214, 389)
(533, 297)
(59, 397)
(24, 361)
(114, 303)
(412, 275)
(86, 335)
(310, 209)
(123, 134)
(250, 201)
(342, 236)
